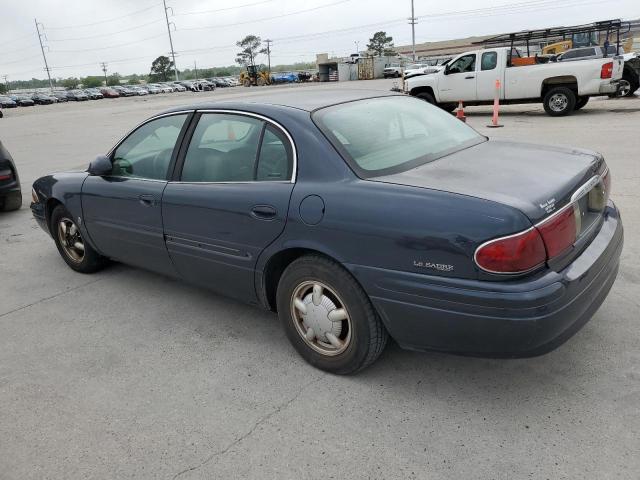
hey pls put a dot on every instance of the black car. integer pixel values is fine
(94, 94)
(77, 96)
(354, 217)
(23, 101)
(42, 99)
(6, 102)
(10, 193)
(61, 96)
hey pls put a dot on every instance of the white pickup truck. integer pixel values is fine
(562, 87)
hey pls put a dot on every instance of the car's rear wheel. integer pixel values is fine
(77, 253)
(559, 101)
(328, 317)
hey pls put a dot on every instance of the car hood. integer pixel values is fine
(535, 179)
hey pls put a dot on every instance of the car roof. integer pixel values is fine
(300, 98)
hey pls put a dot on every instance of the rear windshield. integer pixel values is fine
(387, 135)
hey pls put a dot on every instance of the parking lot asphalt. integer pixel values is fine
(127, 374)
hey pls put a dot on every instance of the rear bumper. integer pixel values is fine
(497, 319)
(611, 87)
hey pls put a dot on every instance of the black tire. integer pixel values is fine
(367, 335)
(427, 97)
(448, 107)
(581, 102)
(559, 101)
(633, 82)
(11, 202)
(91, 260)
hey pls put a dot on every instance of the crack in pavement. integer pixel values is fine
(251, 430)
(51, 297)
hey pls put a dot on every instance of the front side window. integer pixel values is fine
(146, 153)
(489, 60)
(386, 135)
(464, 64)
(236, 148)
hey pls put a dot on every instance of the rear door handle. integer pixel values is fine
(263, 212)
(147, 200)
(469, 77)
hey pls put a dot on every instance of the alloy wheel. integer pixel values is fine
(558, 102)
(70, 240)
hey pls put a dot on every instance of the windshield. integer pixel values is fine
(386, 135)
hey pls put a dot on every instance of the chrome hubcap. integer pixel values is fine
(71, 240)
(321, 318)
(624, 89)
(558, 102)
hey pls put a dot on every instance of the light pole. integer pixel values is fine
(412, 22)
(357, 47)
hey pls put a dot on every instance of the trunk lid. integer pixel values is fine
(538, 180)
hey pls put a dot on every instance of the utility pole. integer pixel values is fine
(104, 69)
(46, 65)
(6, 82)
(412, 22)
(195, 67)
(357, 47)
(269, 42)
(173, 53)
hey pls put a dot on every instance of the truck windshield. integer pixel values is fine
(386, 135)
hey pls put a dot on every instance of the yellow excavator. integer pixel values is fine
(255, 77)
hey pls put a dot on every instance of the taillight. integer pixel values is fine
(559, 231)
(6, 175)
(513, 254)
(607, 70)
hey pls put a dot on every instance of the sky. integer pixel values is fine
(129, 34)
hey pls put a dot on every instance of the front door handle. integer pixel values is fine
(147, 200)
(469, 77)
(263, 212)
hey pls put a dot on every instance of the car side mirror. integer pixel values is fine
(100, 166)
(446, 70)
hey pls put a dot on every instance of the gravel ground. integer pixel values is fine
(129, 374)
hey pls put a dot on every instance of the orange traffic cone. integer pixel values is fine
(460, 112)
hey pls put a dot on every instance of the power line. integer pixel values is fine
(104, 21)
(264, 19)
(110, 46)
(105, 34)
(237, 7)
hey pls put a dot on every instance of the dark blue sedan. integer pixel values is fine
(354, 217)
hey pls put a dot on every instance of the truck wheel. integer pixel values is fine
(559, 101)
(581, 102)
(427, 97)
(628, 85)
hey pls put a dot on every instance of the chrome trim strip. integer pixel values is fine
(475, 254)
(577, 195)
(180, 112)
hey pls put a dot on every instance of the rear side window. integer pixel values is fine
(275, 162)
(489, 60)
(236, 148)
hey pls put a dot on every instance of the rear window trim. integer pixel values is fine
(403, 167)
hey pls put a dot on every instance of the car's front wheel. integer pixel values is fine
(328, 317)
(77, 253)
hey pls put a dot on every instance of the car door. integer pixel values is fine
(459, 81)
(122, 210)
(229, 201)
(487, 75)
